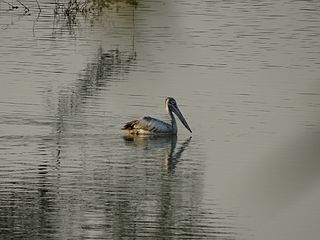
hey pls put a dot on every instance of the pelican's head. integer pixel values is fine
(171, 106)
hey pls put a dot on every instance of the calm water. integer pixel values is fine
(246, 76)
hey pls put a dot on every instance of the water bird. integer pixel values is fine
(151, 126)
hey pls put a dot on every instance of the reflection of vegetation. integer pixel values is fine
(67, 14)
(67, 11)
(73, 7)
(76, 6)
(94, 78)
(99, 5)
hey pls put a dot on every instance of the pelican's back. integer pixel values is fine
(148, 125)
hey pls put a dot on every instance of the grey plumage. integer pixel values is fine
(152, 126)
(147, 125)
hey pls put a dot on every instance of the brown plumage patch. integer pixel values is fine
(129, 125)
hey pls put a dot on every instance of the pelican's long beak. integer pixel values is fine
(180, 116)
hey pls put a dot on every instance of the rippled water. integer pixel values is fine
(245, 75)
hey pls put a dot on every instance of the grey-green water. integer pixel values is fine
(245, 75)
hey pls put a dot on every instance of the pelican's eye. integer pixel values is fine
(173, 102)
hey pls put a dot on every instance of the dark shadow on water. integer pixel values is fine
(28, 201)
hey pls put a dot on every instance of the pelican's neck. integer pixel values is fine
(173, 121)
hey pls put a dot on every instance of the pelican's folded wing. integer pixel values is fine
(147, 124)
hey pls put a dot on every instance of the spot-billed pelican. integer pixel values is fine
(151, 126)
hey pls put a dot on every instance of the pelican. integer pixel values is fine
(152, 126)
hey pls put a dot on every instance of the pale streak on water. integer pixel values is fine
(246, 76)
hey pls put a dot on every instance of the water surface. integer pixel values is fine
(246, 77)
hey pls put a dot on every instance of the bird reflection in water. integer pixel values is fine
(167, 143)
